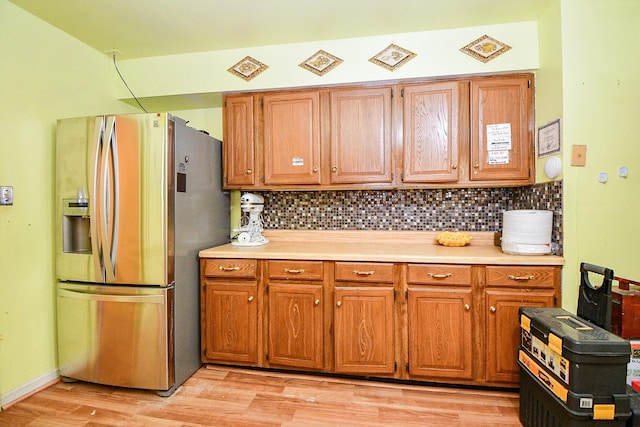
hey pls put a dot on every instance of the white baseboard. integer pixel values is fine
(29, 388)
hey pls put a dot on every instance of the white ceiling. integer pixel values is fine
(141, 28)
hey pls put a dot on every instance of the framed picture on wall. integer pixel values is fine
(549, 138)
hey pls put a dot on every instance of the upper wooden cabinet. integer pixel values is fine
(502, 129)
(240, 165)
(467, 132)
(292, 138)
(430, 128)
(361, 136)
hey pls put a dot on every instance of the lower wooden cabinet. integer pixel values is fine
(230, 332)
(440, 332)
(296, 325)
(453, 323)
(507, 289)
(364, 330)
(230, 303)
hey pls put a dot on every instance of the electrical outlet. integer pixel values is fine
(6, 195)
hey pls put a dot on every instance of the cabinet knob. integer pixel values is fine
(250, 298)
(315, 169)
(249, 171)
(476, 165)
(339, 303)
(454, 167)
(334, 169)
(492, 309)
(467, 307)
(317, 302)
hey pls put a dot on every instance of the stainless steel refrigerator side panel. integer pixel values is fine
(201, 221)
(115, 335)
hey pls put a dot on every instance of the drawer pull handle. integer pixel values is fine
(467, 307)
(520, 278)
(317, 302)
(440, 276)
(250, 298)
(225, 268)
(363, 273)
(300, 271)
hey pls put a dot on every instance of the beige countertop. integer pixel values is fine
(376, 246)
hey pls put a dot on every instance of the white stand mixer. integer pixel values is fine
(251, 231)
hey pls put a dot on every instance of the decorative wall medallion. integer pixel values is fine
(485, 48)
(248, 68)
(321, 63)
(393, 57)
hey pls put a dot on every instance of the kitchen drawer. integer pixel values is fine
(530, 276)
(439, 274)
(299, 270)
(364, 272)
(238, 268)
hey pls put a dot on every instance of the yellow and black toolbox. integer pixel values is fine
(572, 372)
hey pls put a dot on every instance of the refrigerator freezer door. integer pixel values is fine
(119, 336)
(120, 166)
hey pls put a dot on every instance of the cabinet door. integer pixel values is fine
(440, 333)
(430, 132)
(292, 138)
(239, 151)
(296, 325)
(364, 330)
(361, 136)
(502, 129)
(231, 322)
(503, 329)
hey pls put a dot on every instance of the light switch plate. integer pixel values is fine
(6, 195)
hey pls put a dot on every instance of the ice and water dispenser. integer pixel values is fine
(76, 231)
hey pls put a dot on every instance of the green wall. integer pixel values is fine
(45, 75)
(601, 104)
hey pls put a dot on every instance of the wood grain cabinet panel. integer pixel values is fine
(372, 272)
(292, 138)
(440, 332)
(231, 268)
(296, 325)
(364, 330)
(430, 132)
(240, 162)
(439, 274)
(230, 328)
(503, 329)
(360, 121)
(505, 102)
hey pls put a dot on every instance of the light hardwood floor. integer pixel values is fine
(220, 396)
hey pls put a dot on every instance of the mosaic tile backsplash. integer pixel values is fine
(463, 209)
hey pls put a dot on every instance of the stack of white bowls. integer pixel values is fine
(526, 232)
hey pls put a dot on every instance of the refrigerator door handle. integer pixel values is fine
(111, 183)
(149, 299)
(94, 196)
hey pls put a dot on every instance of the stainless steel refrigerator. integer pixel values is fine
(138, 196)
